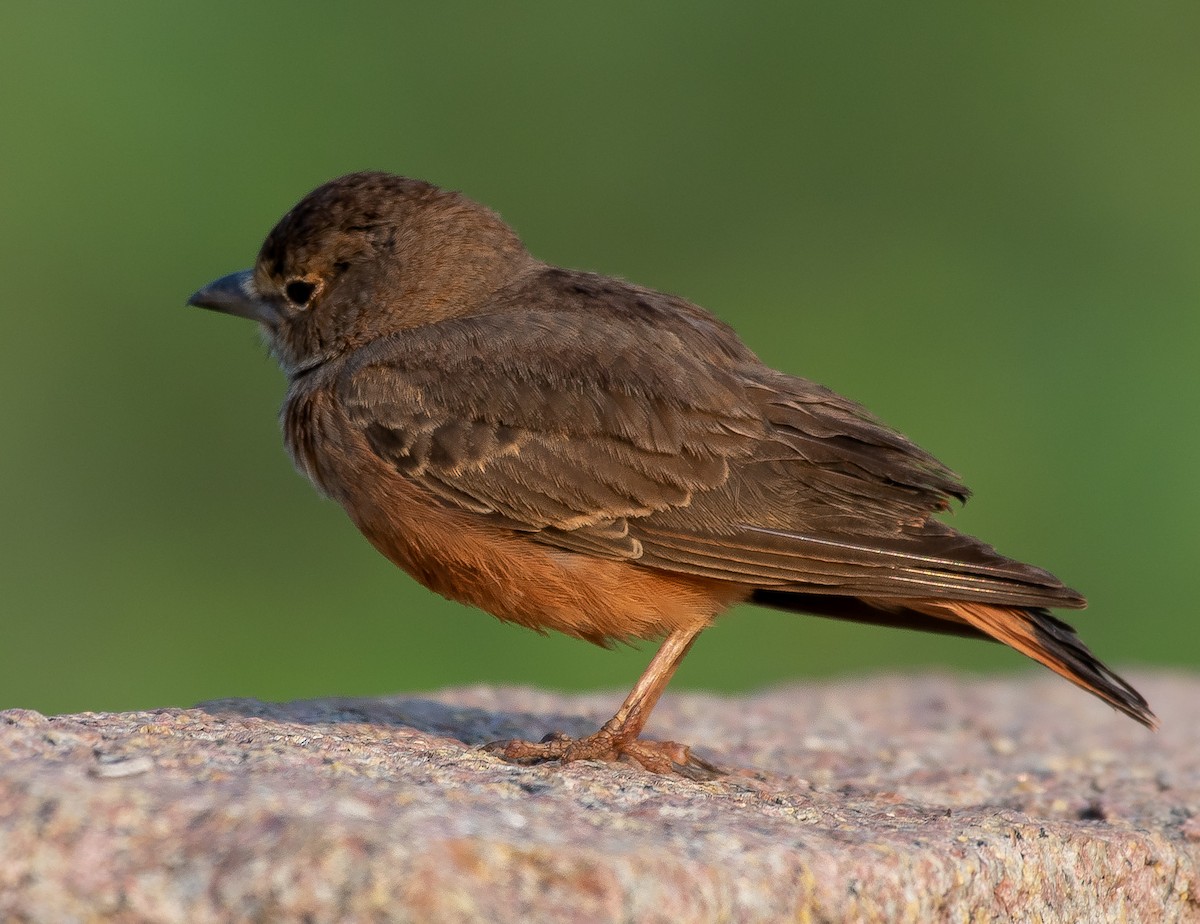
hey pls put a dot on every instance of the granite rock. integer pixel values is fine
(892, 799)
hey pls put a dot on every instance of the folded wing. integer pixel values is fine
(602, 418)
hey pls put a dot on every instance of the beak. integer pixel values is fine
(234, 294)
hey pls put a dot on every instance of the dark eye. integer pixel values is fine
(299, 291)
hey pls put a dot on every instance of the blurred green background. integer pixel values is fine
(982, 221)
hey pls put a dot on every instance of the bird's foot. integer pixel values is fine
(666, 757)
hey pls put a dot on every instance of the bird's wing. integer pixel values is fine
(611, 420)
(543, 421)
(836, 503)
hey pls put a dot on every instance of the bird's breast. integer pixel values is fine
(315, 440)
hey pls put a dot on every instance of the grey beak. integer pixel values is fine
(234, 294)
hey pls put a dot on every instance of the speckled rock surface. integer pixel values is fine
(885, 799)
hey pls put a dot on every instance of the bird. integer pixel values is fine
(572, 452)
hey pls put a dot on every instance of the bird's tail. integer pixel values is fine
(1035, 633)
(1030, 630)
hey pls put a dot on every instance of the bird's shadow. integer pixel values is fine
(471, 725)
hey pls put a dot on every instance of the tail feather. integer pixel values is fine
(1037, 634)
(1030, 630)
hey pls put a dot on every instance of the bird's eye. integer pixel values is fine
(299, 291)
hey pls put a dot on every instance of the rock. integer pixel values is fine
(883, 799)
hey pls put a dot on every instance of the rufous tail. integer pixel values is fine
(1034, 632)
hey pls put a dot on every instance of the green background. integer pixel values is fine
(982, 221)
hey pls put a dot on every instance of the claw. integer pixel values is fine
(668, 758)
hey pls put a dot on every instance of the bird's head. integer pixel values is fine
(365, 256)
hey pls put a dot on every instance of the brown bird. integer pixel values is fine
(573, 452)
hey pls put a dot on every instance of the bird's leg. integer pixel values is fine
(618, 738)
